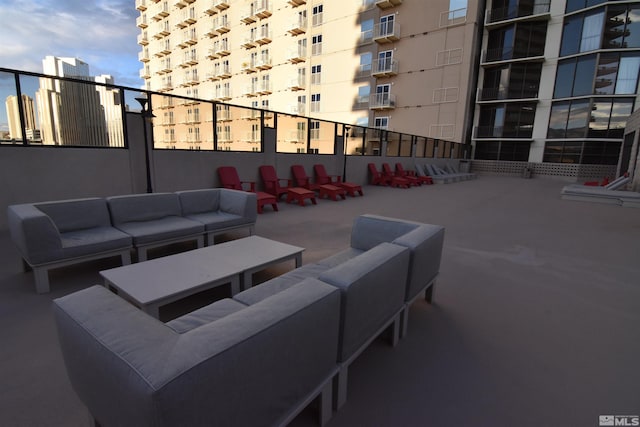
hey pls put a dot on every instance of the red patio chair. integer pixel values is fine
(376, 178)
(323, 178)
(393, 179)
(411, 175)
(302, 180)
(272, 184)
(229, 179)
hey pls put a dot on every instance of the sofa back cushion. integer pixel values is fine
(371, 230)
(199, 201)
(79, 214)
(143, 207)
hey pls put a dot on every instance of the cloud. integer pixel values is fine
(102, 33)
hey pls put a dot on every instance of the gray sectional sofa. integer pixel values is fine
(293, 336)
(54, 234)
(226, 364)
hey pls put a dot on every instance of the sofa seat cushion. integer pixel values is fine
(218, 220)
(78, 214)
(157, 230)
(340, 257)
(143, 207)
(271, 287)
(204, 315)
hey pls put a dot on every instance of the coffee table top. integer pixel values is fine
(157, 279)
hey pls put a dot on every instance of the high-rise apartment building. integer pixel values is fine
(558, 80)
(403, 65)
(13, 117)
(73, 113)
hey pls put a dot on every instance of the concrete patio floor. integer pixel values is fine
(536, 318)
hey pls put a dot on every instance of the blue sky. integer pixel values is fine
(102, 33)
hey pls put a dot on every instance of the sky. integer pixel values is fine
(102, 33)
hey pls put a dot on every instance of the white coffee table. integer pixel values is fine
(152, 284)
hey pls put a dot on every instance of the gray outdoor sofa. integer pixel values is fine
(226, 364)
(54, 234)
(377, 291)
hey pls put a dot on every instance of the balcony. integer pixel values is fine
(264, 37)
(263, 63)
(510, 54)
(298, 83)
(298, 26)
(296, 3)
(249, 66)
(141, 21)
(250, 91)
(162, 14)
(221, 4)
(384, 68)
(224, 72)
(295, 56)
(224, 116)
(298, 109)
(386, 33)
(523, 131)
(161, 34)
(225, 138)
(143, 39)
(264, 88)
(504, 93)
(212, 32)
(387, 4)
(250, 114)
(296, 136)
(141, 5)
(223, 94)
(143, 56)
(221, 25)
(263, 10)
(182, 3)
(248, 17)
(145, 73)
(189, 40)
(249, 43)
(222, 50)
(188, 18)
(382, 102)
(499, 16)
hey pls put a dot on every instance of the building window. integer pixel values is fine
(316, 71)
(582, 152)
(317, 15)
(387, 25)
(365, 65)
(510, 120)
(315, 103)
(573, 5)
(381, 122)
(363, 96)
(445, 94)
(314, 129)
(366, 31)
(316, 45)
(520, 40)
(502, 150)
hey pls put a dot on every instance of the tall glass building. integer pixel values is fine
(558, 80)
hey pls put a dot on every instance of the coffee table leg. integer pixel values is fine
(298, 260)
(235, 284)
(152, 310)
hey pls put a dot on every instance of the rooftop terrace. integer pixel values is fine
(535, 320)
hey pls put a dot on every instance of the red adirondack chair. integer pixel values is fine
(393, 179)
(229, 179)
(411, 175)
(376, 178)
(271, 182)
(301, 179)
(323, 178)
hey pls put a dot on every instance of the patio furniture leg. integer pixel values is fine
(41, 276)
(341, 387)
(428, 293)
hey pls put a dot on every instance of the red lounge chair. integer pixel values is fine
(393, 179)
(271, 181)
(302, 180)
(376, 177)
(323, 178)
(605, 181)
(229, 179)
(400, 171)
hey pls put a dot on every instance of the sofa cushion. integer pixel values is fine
(199, 201)
(78, 214)
(271, 287)
(218, 220)
(340, 257)
(157, 230)
(204, 315)
(370, 230)
(143, 207)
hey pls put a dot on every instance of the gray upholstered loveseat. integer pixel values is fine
(226, 364)
(54, 234)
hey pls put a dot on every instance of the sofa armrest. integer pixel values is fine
(372, 287)
(33, 232)
(425, 243)
(239, 203)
